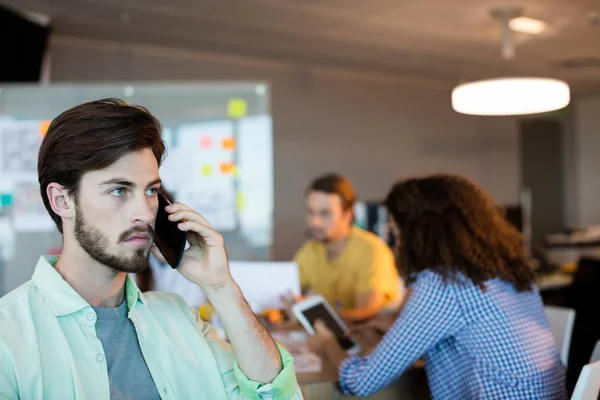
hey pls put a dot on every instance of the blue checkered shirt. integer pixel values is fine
(495, 344)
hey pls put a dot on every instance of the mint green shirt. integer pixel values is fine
(49, 348)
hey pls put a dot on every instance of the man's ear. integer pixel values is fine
(349, 216)
(59, 199)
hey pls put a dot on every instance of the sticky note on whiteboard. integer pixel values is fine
(227, 168)
(239, 202)
(206, 170)
(6, 199)
(205, 142)
(44, 128)
(229, 143)
(237, 108)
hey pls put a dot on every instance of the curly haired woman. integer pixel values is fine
(474, 313)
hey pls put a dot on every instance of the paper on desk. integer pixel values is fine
(295, 344)
(307, 363)
(263, 283)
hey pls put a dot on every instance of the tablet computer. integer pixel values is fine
(316, 307)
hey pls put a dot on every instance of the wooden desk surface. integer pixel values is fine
(293, 339)
(321, 385)
(329, 374)
(557, 280)
(410, 385)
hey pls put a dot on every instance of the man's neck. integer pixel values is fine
(99, 285)
(335, 247)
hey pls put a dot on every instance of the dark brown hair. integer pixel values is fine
(90, 137)
(450, 225)
(335, 184)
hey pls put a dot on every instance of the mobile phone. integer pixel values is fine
(169, 239)
(316, 307)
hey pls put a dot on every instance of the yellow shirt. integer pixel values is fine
(366, 264)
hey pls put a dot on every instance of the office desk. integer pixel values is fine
(322, 385)
(554, 287)
(553, 281)
(411, 385)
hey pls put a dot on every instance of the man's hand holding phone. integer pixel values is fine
(205, 263)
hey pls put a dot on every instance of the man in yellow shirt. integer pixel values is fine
(352, 268)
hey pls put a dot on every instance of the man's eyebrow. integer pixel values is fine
(118, 181)
(154, 182)
(126, 183)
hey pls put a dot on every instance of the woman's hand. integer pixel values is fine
(321, 339)
(324, 343)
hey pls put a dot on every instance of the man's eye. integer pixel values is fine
(119, 192)
(152, 192)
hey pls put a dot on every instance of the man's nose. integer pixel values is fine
(315, 222)
(144, 211)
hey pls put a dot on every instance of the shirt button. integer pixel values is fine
(99, 357)
(90, 316)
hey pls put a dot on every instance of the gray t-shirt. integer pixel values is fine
(128, 373)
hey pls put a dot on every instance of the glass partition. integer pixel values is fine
(219, 161)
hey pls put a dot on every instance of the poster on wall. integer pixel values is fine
(19, 146)
(28, 211)
(200, 170)
(219, 154)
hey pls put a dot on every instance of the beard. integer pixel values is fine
(317, 236)
(323, 236)
(95, 243)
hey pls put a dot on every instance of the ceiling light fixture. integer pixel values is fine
(510, 95)
(527, 25)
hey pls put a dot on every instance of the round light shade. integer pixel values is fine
(510, 96)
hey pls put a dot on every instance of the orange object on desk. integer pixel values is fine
(569, 268)
(273, 315)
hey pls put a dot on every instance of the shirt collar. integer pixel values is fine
(133, 293)
(61, 297)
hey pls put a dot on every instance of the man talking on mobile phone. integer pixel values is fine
(80, 328)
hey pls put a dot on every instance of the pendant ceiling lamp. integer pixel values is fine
(510, 95)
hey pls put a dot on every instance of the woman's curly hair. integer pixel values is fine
(450, 225)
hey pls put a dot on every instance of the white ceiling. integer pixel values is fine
(449, 40)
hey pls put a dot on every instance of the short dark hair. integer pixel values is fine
(335, 184)
(450, 225)
(92, 136)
